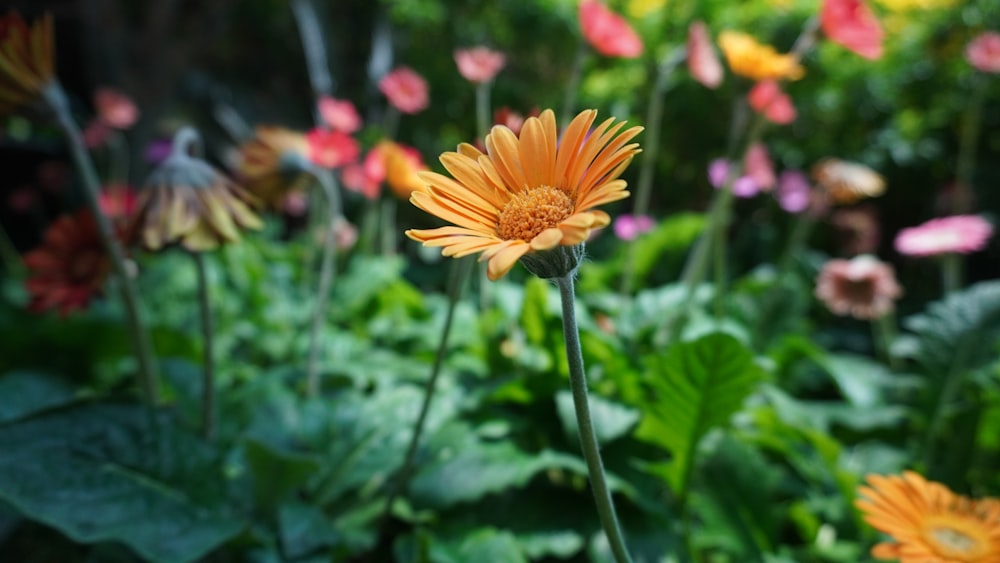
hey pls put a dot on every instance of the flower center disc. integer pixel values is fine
(961, 544)
(531, 211)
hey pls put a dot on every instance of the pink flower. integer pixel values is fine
(757, 165)
(295, 203)
(117, 201)
(718, 173)
(607, 32)
(962, 234)
(629, 227)
(983, 52)
(745, 187)
(766, 98)
(366, 178)
(864, 287)
(331, 149)
(703, 63)
(479, 64)
(852, 24)
(406, 90)
(115, 109)
(794, 192)
(340, 115)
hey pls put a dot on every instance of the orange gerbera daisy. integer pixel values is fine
(751, 59)
(929, 522)
(26, 60)
(528, 194)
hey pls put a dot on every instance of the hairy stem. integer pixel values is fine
(208, 369)
(327, 273)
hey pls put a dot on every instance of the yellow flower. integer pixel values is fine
(527, 195)
(26, 60)
(274, 163)
(402, 168)
(748, 58)
(929, 522)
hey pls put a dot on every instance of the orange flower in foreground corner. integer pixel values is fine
(26, 60)
(852, 24)
(70, 266)
(529, 195)
(929, 522)
(750, 59)
(607, 32)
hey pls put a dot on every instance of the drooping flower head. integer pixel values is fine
(929, 522)
(961, 234)
(27, 60)
(115, 109)
(794, 192)
(863, 287)
(767, 99)
(70, 266)
(607, 32)
(751, 59)
(847, 182)
(406, 90)
(479, 64)
(274, 162)
(339, 115)
(188, 202)
(331, 149)
(531, 196)
(703, 63)
(983, 52)
(852, 24)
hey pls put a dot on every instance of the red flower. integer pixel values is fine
(340, 115)
(117, 201)
(331, 149)
(983, 52)
(115, 109)
(406, 90)
(479, 64)
(608, 32)
(70, 266)
(702, 61)
(767, 98)
(853, 25)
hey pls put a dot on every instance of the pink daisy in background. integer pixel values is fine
(758, 166)
(703, 61)
(339, 115)
(115, 109)
(794, 193)
(863, 287)
(629, 227)
(743, 187)
(852, 24)
(607, 32)
(331, 149)
(958, 234)
(479, 64)
(767, 99)
(406, 90)
(983, 52)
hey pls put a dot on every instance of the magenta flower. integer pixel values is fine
(607, 32)
(794, 192)
(863, 287)
(743, 187)
(767, 99)
(479, 64)
(629, 227)
(961, 234)
(339, 115)
(703, 62)
(983, 52)
(406, 90)
(852, 24)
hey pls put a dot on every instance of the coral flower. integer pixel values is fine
(115, 109)
(702, 61)
(757, 165)
(847, 182)
(528, 194)
(961, 234)
(406, 90)
(767, 99)
(70, 266)
(331, 149)
(479, 64)
(26, 60)
(929, 522)
(852, 24)
(607, 32)
(863, 287)
(402, 167)
(983, 52)
(339, 115)
(748, 58)
(274, 162)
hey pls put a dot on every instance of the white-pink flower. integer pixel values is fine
(340, 115)
(983, 52)
(962, 234)
(863, 287)
(406, 90)
(479, 64)
(703, 62)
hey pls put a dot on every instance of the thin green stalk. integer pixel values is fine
(313, 46)
(573, 82)
(56, 99)
(971, 124)
(951, 272)
(483, 108)
(10, 259)
(208, 368)
(457, 280)
(388, 222)
(588, 438)
(884, 331)
(327, 273)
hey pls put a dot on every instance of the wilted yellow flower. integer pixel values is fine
(751, 59)
(26, 60)
(274, 162)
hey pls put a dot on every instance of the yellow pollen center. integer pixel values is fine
(955, 543)
(531, 211)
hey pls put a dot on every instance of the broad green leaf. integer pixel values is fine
(276, 474)
(696, 386)
(304, 529)
(100, 473)
(485, 544)
(611, 420)
(25, 392)
(535, 311)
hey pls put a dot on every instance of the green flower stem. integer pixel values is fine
(311, 35)
(208, 369)
(884, 329)
(327, 273)
(55, 97)
(388, 223)
(457, 279)
(971, 123)
(483, 108)
(10, 259)
(801, 230)
(951, 272)
(573, 82)
(588, 439)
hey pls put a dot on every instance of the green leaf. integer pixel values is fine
(486, 544)
(304, 530)
(611, 420)
(534, 312)
(102, 473)
(276, 474)
(26, 392)
(696, 386)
